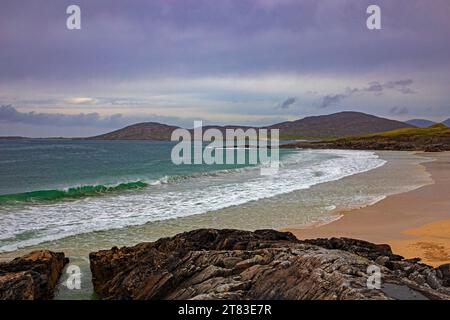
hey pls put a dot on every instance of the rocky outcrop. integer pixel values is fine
(265, 264)
(31, 277)
(108, 267)
(432, 139)
(370, 145)
(361, 248)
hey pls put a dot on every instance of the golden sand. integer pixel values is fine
(415, 223)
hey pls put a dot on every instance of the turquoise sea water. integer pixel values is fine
(56, 165)
(52, 189)
(83, 196)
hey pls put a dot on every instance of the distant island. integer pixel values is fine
(421, 123)
(335, 125)
(342, 130)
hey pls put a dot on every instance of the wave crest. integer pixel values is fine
(70, 193)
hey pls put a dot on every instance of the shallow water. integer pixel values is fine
(78, 197)
(310, 185)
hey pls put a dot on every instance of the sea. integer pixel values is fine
(80, 196)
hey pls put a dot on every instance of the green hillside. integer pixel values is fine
(434, 138)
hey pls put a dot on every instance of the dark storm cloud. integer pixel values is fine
(375, 87)
(332, 100)
(399, 111)
(218, 60)
(402, 86)
(11, 115)
(399, 83)
(288, 102)
(200, 37)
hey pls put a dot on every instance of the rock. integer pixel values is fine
(437, 148)
(432, 280)
(381, 260)
(445, 273)
(417, 278)
(359, 247)
(257, 259)
(107, 264)
(445, 269)
(31, 277)
(233, 264)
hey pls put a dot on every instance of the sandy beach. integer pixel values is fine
(415, 223)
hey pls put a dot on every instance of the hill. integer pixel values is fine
(336, 125)
(421, 123)
(447, 122)
(139, 131)
(434, 138)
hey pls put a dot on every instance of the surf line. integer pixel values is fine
(190, 149)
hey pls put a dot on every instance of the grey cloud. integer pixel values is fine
(288, 102)
(218, 37)
(401, 85)
(10, 114)
(407, 91)
(332, 99)
(398, 111)
(375, 87)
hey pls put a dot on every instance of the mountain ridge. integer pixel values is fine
(342, 124)
(447, 122)
(139, 131)
(357, 123)
(421, 123)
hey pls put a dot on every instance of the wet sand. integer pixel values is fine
(414, 223)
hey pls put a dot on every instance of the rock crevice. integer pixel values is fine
(265, 264)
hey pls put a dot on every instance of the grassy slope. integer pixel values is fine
(434, 138)
(408, 134)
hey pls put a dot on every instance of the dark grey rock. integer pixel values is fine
(233, 264)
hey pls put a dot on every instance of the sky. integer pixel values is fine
(249, 62)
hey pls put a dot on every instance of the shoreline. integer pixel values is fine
(227, 214)
(414, 223)
(77, 248)
(221, 218)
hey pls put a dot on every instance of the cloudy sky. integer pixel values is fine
(226, 61)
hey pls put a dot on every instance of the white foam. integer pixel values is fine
(166, 201)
